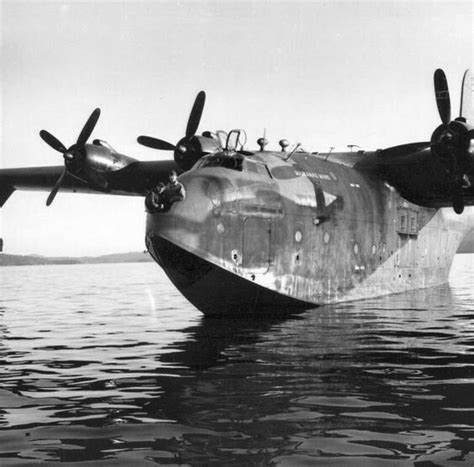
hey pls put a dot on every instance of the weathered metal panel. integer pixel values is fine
(256, 246)
(316, 232)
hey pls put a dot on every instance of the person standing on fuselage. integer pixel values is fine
(175, 190)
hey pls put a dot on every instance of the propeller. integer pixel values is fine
(74, 156)
(451, 141)
(185, 145)
(442, 96)
(156, 143)
(195, 115)
(53, 193)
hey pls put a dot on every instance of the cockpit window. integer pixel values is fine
(233, 161)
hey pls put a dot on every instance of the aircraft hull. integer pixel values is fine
(417, 262)
(215, 291)
(321, 234)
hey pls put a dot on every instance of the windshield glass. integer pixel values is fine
(233, 161)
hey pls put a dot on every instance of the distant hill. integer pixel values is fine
(30, 260)
(138, 257)
(467, 246)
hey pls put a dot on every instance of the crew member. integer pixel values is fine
(175, 190)
(155, 199)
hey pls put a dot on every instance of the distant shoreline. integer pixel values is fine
(132, 257)
(37, 260)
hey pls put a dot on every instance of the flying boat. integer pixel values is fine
(262, 231)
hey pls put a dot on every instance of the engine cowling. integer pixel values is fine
(188, 152)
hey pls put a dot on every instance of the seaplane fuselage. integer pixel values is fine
(261, 233)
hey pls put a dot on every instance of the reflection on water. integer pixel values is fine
(109, 363)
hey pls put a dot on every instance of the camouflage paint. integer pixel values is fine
(308, 229)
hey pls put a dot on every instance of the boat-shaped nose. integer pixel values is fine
(189, 223)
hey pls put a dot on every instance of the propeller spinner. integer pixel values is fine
(185, 146)
(74, 156)
(451, 141)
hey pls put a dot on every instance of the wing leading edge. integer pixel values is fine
(136, 179)
(440, 172)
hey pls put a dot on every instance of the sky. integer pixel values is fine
(323, 73)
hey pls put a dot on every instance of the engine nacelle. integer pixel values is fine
(95, 162)
(189, 151)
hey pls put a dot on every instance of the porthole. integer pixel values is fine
(298, 236)
(327, 237)
(374, 249)
(236, 258)
(220, 227)
(356, 248)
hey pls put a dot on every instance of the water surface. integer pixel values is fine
(109, 365)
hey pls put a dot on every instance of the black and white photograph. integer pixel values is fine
(237, 233)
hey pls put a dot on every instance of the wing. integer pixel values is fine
(420, 175)
(135, 179)
(439, 173)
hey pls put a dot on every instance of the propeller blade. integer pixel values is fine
(52, 141)
(465, 110)
(195, 115)
(55, 190)
(442, 96)
(155, 143)
(88, 128)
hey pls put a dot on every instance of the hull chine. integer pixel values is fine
(215, 291)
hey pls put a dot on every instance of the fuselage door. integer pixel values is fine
(256, 249)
